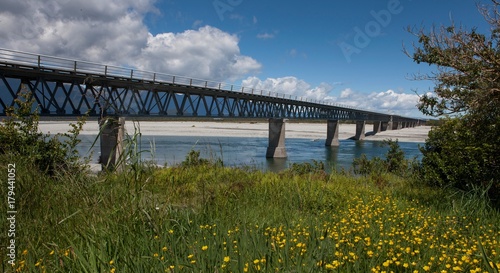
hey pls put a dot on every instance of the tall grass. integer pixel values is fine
(209, 218)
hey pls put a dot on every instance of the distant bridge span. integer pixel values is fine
(64, 87)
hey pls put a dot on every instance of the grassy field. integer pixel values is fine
(203, 217)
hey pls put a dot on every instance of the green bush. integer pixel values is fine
(315, 167)
(193, 159)
(394, 162)
(457, 155)
(19, 136)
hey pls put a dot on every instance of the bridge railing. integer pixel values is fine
(44, 62)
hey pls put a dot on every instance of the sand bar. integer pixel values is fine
(241, 129)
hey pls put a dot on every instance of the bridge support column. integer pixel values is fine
(377, 127)
(360, 130)
(332, 133)
(276, 148)
(384, 125)
(397, 125)
(112, 135)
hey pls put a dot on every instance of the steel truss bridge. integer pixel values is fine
(64, 87)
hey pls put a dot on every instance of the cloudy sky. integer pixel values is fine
(347, 52)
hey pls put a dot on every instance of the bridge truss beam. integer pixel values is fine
(73, 96)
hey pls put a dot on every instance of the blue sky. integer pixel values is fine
(338, 51)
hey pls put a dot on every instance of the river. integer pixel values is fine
(250, 151)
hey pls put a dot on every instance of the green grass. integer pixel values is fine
(208, 218)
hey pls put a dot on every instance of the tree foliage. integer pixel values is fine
(468, 62)
(464, 150)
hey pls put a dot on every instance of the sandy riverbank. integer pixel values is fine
(242, 129)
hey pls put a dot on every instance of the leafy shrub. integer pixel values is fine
(306, 167)
(364, 166)
(19, 136)
(458, 156)
(394, 162)
(193, 159)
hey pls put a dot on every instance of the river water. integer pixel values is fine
(250, 151)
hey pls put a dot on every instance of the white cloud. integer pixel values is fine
(113, 32)
(384, 102)
(346, 93)
(265, 36)
(290, 86)
(93, 30)
(197, 23)
(206, 53)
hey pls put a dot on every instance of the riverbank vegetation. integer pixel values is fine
(200, 216)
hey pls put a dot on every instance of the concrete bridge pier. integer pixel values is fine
(377, 127)
(397, 125)
(112, 132)
(390, 125)
(360, 130)
(276, 147)
(385, 125)
(332, 133)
